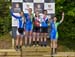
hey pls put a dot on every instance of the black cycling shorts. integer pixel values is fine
(36, 29)
(21, 30)
(44, 29)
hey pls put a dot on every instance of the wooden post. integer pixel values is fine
(13, 43)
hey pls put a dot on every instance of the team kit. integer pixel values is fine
(32, 26)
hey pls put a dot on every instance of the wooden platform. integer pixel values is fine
(33, 52)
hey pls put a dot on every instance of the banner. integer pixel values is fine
(17, 0)
(36, 5)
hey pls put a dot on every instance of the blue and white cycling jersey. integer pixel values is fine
(28, 18)
(20, 20)
(54, 31)
(29, 23)
(44, 22)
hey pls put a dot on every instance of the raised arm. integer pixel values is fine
(62, 17)
(17, 17)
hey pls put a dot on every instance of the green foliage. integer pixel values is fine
(67, 28)
(5, 19)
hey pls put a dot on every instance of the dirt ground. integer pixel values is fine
(5, 42)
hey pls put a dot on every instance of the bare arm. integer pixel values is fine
(62, 18)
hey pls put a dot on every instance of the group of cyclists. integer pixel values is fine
(34, 29)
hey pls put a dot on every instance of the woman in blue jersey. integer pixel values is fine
(20, 29)
(29, 26)
(54, 33)
(44, 29)
(36, 28)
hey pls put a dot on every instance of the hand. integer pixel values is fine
(62, 13)
(9, 7)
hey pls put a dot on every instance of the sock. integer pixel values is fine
(34, 42)
(51, 51)
(55, 50)
(17, 47)
(41, 43)
(45, 44)
(38, 42)
(20, 47)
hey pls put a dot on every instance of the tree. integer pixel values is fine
(5, 19)
(67, 28)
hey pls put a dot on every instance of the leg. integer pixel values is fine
(45, 30)
(53, 38)
(51, 44)
(42, 36)
(34, 38)
(26, 37)
(38, 38)
(14, 29)
(21, 40)
(17, 40)
(34, 34)
(56, 43)
(55, 46)
(30, 37)
(41, 39)
(45, 39)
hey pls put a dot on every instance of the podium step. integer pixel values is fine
(34, 52)
(40, 49)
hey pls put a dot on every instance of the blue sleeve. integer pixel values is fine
(17, 17)
(26, 15)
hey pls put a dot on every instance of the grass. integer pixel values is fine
(67, 45)
(5, 41)
(63, 45)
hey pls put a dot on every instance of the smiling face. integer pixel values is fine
(37, 13)
(55, 19)
(30, 10)
(45, 12)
